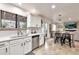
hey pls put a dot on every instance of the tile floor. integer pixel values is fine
(56, 49)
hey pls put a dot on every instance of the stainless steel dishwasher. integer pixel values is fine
(35, 42)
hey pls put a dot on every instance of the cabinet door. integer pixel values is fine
(27, 45)
(4, 51)
(35, 21)
(16, 49)
(4, 48)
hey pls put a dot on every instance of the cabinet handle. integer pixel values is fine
(27, 40)
(2, 44)
(21, 44)
(24, 43)
(6, 50)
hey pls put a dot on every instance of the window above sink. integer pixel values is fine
(11, 21)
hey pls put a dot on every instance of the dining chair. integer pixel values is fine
(57, 37)
(66, 36)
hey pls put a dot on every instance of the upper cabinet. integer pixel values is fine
(8, 20)
(21, 22)
(34, 21)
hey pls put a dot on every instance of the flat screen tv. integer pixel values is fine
(70, 25)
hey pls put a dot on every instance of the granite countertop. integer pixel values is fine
(10, 38)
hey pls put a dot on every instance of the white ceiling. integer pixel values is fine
(67, 10)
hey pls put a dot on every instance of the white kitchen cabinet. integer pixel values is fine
(3, 51)
(16, 47)
(4, 48)
(21, 46)
(34, 21)
(27, 45)
(41, 39)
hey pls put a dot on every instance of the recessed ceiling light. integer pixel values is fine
(27, 12)
(20, 3)
(70, 18)
(59, 15)
(33, 10)
(53, 6)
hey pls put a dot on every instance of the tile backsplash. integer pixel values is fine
(8, 33)
(35, 30)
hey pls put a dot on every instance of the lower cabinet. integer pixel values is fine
(4, 48)
(27, 45)
(4, 51)
(21, 46)
(16, 49)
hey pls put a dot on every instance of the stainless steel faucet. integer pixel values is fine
(19, 32)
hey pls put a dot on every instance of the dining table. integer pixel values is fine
(63, 37)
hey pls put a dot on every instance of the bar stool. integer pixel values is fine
(57, 37)
(66, 36)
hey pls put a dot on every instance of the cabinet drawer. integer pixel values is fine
(3, 44)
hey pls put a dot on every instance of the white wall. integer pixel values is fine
(8, 33)
(46, 20)
(13, 9)
(36, 20)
